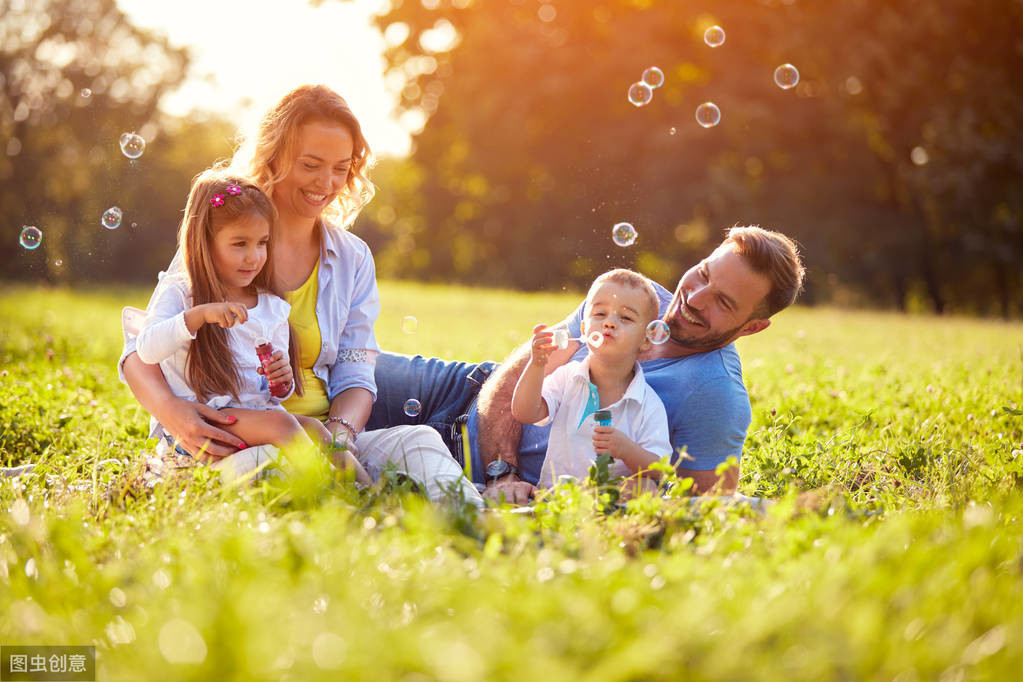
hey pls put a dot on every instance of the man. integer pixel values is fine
(753, 274)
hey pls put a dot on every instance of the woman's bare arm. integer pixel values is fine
(190, 423)
(353, 405)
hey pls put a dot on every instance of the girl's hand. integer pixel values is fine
(226, 314)
(542, 346)
(280, 369)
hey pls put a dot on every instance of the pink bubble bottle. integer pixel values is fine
(265, 351)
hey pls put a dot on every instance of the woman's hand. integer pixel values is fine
(341, 436)
(347, 460)
(193, 426)
(191, 423)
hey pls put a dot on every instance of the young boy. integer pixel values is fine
(619, 306)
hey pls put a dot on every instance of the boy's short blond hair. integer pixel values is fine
(632, 279)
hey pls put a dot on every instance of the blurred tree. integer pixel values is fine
(74, 76)
(896, 160)
(931, 93)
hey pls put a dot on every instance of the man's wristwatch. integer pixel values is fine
(499, 468)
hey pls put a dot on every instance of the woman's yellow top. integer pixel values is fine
(307, 329)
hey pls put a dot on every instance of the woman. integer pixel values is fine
(310, 157)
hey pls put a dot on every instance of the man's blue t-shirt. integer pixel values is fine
(707, 404)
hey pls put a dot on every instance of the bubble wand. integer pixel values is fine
(561, 339)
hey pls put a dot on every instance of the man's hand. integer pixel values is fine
(192, 425)
(509, 488)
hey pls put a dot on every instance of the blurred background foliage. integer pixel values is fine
(897, 161)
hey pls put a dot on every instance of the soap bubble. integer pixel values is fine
(708, 115)
(640, 94)
(714, 36)
(132, 145)
(672, 131)
(413, 407)
(134, 225)
(786, 76)
(653, 77)
(31, 237)
(595, 339)
(919, 156)
(112, 218)
(623, 234)
(657, 332)
(58, 262)
(409, 324)
(86, 92)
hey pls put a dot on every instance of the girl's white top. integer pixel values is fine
(347, 305)
(639, 414)
(164, 340)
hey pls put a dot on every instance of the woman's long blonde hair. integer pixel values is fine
(209, 368)
(267, 157)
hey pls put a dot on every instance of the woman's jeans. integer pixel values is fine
(446, 392)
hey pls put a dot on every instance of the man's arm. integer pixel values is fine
(499, 432)
(704, 481)
(716, 416)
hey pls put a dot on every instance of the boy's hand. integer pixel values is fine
(542, 347)
(612, 441)
(226, 314)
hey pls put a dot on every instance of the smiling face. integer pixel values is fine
(319, 171)
(620, 313)
(716, 302)
(238, 250)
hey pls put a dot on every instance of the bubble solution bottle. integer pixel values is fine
(265, 352)
(602, 417)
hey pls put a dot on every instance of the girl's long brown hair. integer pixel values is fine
(210, 369)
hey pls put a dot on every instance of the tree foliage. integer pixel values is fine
(896, 161)
(74, 76)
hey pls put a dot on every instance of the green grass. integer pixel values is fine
(894, 446)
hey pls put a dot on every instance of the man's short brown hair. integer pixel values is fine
(774, 256)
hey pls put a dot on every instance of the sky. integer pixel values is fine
(247, 53)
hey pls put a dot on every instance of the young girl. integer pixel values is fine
(203, 325)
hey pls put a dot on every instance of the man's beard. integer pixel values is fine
(697, 342)
(702, 343)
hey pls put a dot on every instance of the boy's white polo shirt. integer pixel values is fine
(639, 414)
